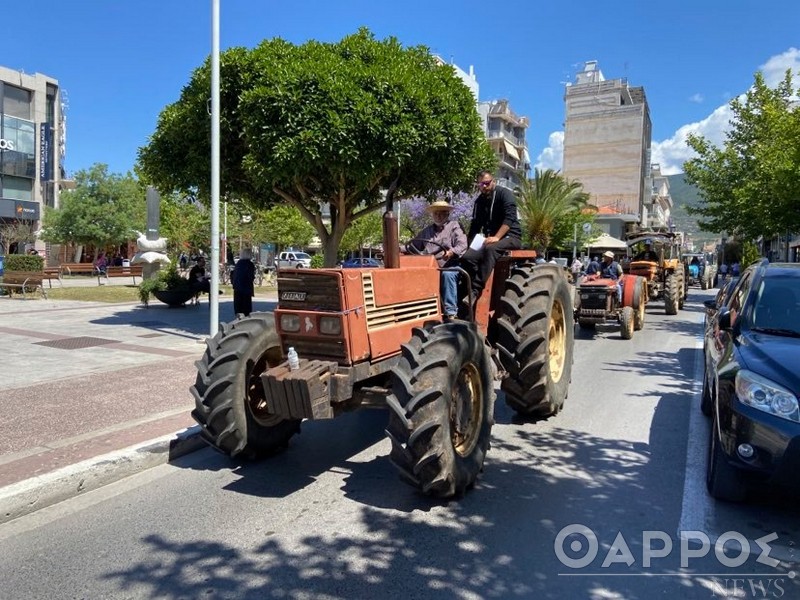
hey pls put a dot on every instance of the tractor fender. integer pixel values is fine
(629, 283)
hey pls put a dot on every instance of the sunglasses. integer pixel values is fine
(485, 183)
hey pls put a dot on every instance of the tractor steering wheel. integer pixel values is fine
(412, 249)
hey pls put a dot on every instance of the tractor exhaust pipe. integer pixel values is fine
(391, 240)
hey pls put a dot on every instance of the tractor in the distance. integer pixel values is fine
(376, 336)
(599, 303)
(701, 269)
(665, 272)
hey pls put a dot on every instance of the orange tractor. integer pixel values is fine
(377, 336)
(598, 302)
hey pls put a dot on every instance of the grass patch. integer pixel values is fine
(121, 293)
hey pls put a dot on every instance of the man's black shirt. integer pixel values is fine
(494, 210)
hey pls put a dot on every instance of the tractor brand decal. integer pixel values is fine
(294, 296)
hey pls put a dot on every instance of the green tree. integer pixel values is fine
(103, 209)
(284, 226)
(323, 123)
(750, 187)
(366, 231)
(184, 222)
(550, 207)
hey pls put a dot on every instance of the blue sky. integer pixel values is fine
(121, 62)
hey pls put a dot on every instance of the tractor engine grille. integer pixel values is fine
(594, 300)
(393, 314)
(307, 290)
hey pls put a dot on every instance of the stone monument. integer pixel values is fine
(152, 248)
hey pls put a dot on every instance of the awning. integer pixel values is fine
(510, 150)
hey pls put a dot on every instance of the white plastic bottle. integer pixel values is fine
(294, 360)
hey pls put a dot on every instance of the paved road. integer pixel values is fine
(329, 518)
(82, 380)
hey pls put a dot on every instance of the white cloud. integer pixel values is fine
(671, 153)
(696, 98)
(552, 157)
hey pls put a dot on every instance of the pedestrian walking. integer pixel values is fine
(244, 274)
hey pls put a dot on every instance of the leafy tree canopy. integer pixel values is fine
(550, 207)
(284, 226)
(103, 209)
(336, 123)
(751, 185)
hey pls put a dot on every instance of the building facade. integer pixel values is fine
(506, 131)
(607, 136)
(32, 147)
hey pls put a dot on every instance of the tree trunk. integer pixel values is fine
(78, 253)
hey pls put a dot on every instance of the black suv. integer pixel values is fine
(751, 382)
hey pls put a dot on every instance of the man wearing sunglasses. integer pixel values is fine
(494, 215)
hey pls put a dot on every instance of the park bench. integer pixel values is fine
(133, 271)
(78, 269)
(25, 281)
(51, 273)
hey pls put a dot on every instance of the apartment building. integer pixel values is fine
(607, 134)
(506, 131)
(32, 146)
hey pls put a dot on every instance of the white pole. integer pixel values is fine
(213, 301)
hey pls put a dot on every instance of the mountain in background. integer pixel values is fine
(683, 195)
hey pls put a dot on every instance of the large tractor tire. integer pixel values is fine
(441, 409)
(673, 290)
(639, 302)
(703, 283)
(230, 403)
(535, 334)
(684, 287)
(626, 323)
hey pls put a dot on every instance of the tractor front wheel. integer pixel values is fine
(626, 323)
(230, 403)
(535, 332)
(441, 409)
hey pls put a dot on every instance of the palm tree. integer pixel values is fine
(550, 205)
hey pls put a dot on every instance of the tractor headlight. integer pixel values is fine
(763, 394)
(290, 323)
(330, 325)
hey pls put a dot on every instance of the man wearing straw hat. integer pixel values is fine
(446, 241)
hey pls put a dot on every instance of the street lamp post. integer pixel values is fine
(213, 301)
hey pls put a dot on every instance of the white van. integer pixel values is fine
(293, 260)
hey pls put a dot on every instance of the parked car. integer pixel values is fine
(751, 383)
(293, 260)
(355, 263)
(712, 306)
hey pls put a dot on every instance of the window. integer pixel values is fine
(16, 102)
(17, 188)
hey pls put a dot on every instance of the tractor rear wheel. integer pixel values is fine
(673, 289)
(230, 403)
(535, 335)
(441, 408)
(639, 295)
(626, 323)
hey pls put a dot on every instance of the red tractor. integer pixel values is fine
(377, 336)
(598, 302)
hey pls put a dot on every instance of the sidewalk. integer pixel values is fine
(92, 392)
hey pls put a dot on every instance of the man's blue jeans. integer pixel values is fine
(449, 291)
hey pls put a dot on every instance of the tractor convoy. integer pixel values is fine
(377, 337)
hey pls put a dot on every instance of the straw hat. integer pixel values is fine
(439, 205)
(608, 254)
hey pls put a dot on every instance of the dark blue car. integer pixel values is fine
(356, 263)
(751, 383)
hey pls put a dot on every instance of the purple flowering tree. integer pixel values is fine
(414, 216)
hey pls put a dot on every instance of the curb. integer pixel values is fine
(34, 494)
